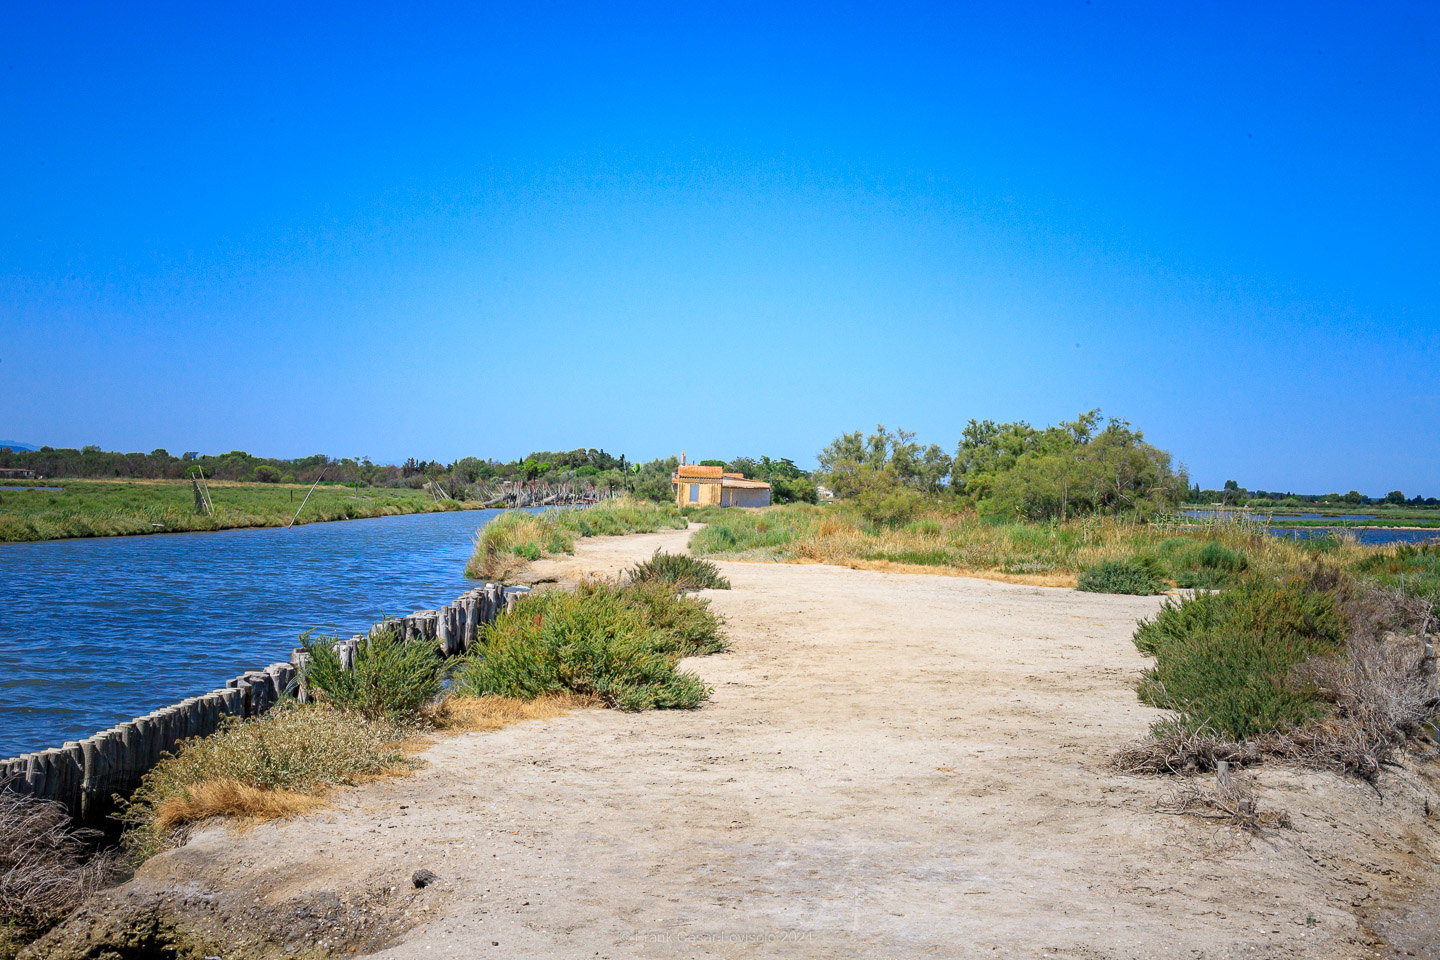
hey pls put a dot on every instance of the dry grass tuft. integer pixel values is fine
(1230, 798)
(477, 714)
(47, 868)
(287, 753)
(232, 799)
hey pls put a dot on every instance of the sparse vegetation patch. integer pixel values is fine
(617, 644)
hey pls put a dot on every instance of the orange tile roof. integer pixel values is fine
(697, 472)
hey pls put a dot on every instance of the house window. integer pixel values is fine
(694, 493)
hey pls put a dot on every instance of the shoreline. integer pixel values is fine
(301, 522)
(985, 793)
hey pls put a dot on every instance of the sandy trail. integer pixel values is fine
(891, 765)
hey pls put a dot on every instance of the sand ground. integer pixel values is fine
(891, 765)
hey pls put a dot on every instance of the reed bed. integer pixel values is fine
(953, 541)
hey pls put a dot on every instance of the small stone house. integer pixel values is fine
(697, 486)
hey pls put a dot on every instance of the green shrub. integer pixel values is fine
(1224, 661)
(1140, 576)
(681, 571)
(888, 505)
(390, 678)
(619, 644)
(1210, 566)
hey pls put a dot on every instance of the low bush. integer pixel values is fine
(681, 571)
(1223, 661)
(1311, 667)
(389, 679)
(618, 644)
(1209, 566)
(1140, 576)
(47, 868)
(273, 765)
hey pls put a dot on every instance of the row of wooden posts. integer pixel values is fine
(86, 775)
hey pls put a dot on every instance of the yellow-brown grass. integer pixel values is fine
(476, 714)
(1027, 579)
(956, 542)
(233, 800)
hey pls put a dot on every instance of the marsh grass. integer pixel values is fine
(618, 645)
(270, 766)
(505, 545)
(94, 508)
(948, 540)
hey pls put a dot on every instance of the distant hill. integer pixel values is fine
(16, 445)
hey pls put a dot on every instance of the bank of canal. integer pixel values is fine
(97, 631)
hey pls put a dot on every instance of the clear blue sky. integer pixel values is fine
(725, 228)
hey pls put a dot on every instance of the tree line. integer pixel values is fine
(611, 473)
(1232, 494)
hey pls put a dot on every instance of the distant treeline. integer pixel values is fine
(650, 480)
(1235, 495)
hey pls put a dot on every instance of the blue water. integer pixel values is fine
(1212, 514)
(1373, 536)
(94, 632)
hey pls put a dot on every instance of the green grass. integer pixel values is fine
(92, 508)
(516, 537)
(618, 644)
(1415, 568)
(1224, 661)
(954, 540)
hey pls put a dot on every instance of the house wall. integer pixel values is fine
(743, 497)
(709, 493)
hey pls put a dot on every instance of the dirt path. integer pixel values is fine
(891, 765)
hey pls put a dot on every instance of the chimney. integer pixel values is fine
(682, 458)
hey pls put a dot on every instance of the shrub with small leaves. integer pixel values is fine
(681, 571)
(620, 644)
(390, 678)
(1140, 576)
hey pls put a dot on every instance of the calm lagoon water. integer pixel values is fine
(94, 632)
(1373, 536)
